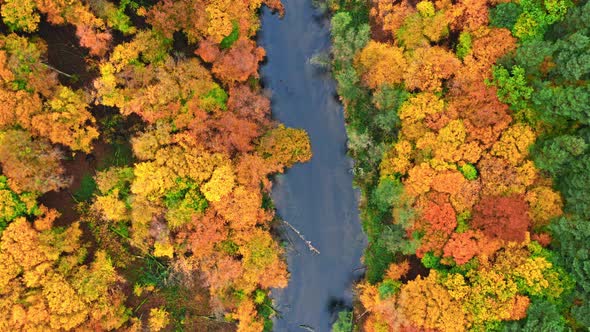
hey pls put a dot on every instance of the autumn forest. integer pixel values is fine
(138, 154)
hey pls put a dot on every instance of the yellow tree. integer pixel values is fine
(381, 64)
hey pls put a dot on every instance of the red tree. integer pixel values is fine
(505, 218)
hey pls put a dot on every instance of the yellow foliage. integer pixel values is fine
(414, 131)
(369, 295)
(147, 145)
(283, 147)
(397, 159)
(456, 286)
(419, 106)
(190, 162)
(449, 140)
(533, 274)
(381, 64)
(151, 180)
(111, 207)
(545, 204)
(247, 317)
(262, 262)
(425, 8)
(20, 14)
(163, 249)
(514, 143)
(159, 319)
(66, 121)
(527, 174)
(221, 183)
(491, 297)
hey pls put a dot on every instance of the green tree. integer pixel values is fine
(344, 322)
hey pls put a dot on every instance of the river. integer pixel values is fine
(317, 198)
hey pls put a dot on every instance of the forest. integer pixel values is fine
(138, 152)
(469, 125)
(136, 149)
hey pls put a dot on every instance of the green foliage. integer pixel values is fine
(121, 155)
(344, 323)
(469, 171)
(386, 241)
(574, 186)
(537, 16)
(229, 247)
(348, 83)
(119, 20)
(347, 38)
(464, 46)
(555, 153)
(121, 229)
(153, 272)
(558, 103)
(472, 264)
(388, 191)
(572, 58)
(230, 39)
(388, 101)
(395, 241)
(512, 86)
(86, 190)
(430, 261)
(541, 316)
(463, 221)
(572, 242)
(215, 98)
(377, 259)
(505, 15)
(264, 308)
(13, 205)
(267, 203)
(388, 288)
(572, 239)
(184, 201)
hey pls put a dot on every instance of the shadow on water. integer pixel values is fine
(317, 198)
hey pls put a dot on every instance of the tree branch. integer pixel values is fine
(308, 243)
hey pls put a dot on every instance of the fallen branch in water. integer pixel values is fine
(57, 70)
(308, 243)
(306, 327)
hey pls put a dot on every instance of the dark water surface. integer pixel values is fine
(317, 197)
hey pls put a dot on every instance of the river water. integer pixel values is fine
(317, 198)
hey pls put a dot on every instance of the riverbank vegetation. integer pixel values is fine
(136, 146)
(468, 123)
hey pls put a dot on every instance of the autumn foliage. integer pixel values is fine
(455, 183)
(180, 212)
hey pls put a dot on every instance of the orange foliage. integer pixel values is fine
(439, 214)
(208, 51)
(30, 165)
(240, 62)
(396, 271)
(462, 247)
(283, 147)
(451, 182)
(427, 304)
(428, 67)
(390, 16)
